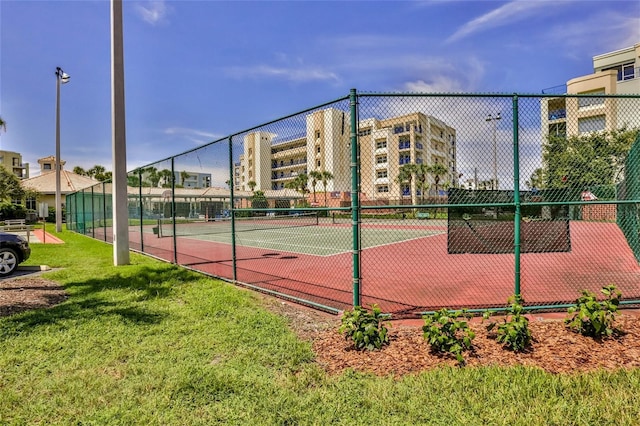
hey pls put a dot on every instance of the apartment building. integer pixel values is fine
(385, 145)
(616, 72)
(13, 161)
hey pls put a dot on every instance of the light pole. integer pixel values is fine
(494, 183)
(61, 77)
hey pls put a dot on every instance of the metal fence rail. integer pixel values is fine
(410, 201)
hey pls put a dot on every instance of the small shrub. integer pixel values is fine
(447, 333)
(513, 333)
(367, 329)
(593, 318)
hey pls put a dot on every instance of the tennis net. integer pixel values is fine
(185, 227)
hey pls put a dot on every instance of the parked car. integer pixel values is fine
(14, 250)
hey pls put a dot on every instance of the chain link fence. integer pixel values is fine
(410, 201)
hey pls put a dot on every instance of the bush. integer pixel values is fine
(12, 211)
(446, 333)
(513, 333)
(592, 318)
(367, 330)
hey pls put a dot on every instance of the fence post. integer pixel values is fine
(233, 212)
(355, 197)
(516, 194)
(173, 210)
(93, 214)
(141, 210)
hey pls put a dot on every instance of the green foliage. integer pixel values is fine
(12, 211)
(447, 332)
(593, 318)
(259, 201)
(513, 333)
(10, 188)
(581, 161)
(367, 329)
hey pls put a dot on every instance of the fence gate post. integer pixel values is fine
(232, 208)
(355, 197)
(516, 195)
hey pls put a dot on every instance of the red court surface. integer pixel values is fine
(415, 276)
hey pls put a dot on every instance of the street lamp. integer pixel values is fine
(61, 77)
(494, 183)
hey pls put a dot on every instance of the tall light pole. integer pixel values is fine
(494, 183)
(61, 78)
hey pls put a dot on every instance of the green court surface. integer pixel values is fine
(325, 239)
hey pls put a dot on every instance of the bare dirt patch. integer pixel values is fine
(555, 349)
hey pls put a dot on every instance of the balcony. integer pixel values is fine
(557, 114)
(284, 163)
(404, 145)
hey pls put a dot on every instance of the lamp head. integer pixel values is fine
(64, 78)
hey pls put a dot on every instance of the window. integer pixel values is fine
(250, 151)
(16, 162)
(380, 159)
(381, 144)
(625, 71)
(585, 102)
(46, 166)
(398, 129)
(317, 134)
(405, 159)
(364, 132)
(406, 190)
(381, 174)
(404, 144)
(591, 124)
(31, 203)
(318, 149)
(318, 163)
(382, 188)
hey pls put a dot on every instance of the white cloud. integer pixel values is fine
(507, 14)
(154, 12)
(198, 137)
(617, 31)
(292, 74)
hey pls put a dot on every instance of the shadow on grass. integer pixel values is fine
(125, 298)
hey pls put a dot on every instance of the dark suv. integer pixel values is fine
(14, 250)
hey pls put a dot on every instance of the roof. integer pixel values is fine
(69, 182)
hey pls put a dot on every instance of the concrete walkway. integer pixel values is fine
(39, 236)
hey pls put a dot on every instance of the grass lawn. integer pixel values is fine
(152, 344)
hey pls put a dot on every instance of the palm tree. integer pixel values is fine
(326, 177)
(79, 171)
(405, 174)
(437, 170)
(422, 172)
(299, 184)
(3, 124)
(166, 176)
(184, 175)
(315, 176)
(252, 185)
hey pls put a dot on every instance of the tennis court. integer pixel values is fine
(303, 234)
(405, 264)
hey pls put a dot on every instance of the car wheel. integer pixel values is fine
(8, 261)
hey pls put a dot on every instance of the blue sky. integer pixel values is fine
(196, 71)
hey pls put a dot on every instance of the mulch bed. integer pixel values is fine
(555, 349)
(22, 294)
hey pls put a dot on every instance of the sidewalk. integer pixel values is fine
(39, 236)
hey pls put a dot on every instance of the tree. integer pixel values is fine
(252, 185)
(79, 171)
(166, 177)
(10, 188)
(596, 158)
(437, 170)
(406, 174)
(3, 124)
(259, 200)
(326, 177)
(184, 175)
(299, 184)
(536, 180)
(315, 176)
